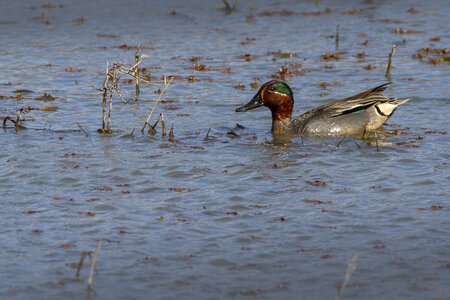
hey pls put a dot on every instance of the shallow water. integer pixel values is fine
(229, 216)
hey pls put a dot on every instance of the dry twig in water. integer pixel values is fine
(337, 36)
(105, 95)
(166, 84)
(163, 124)
(82, 129)
(80, 264)
(171, 132)
(91, 273)
(388, 69)
(350, 269)
(136, 61)
(207, 134)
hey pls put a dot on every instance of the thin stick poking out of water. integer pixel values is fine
(91, 273)
(388, 69)
(80, 264)
(136, 61)
(171, 132)
(163, 124)
(350, 269)
(337, 36)
(207, 134)
(166, 84)
(105, 95)
(82, 129)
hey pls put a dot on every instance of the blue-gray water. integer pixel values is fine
(227, 217)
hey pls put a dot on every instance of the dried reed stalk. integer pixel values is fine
(80, 264)
(350, 269)
(337, 36)
(163, 124)
(166, 84)
(207, 134)
(81, 129)
(388, 69)
(136, 61)
(171, 132)
(91, 273)
(105, 95)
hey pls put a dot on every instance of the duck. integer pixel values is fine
(366, 111)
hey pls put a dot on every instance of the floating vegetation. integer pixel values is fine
(247, 57)
(400, 30)
(281, 54)
(325, 85)
(369, 67)
(129, 47)
(49, 108)
(283, 12)
(45, 97)
(248, 41)
(239, 87)
(254, 85)
(355, 11)
(79, 20)
(317, 201)
(200, 67)
(395, 21)
(331, 56)
(23, 91)
(412, 10)
(327, 11)
(286, 72)
(195, 58)
(316, 183)
(73, 69)
(111, 36)
(435, 55)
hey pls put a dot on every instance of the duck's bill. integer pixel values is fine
(254, 103)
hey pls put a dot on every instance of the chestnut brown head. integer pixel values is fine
(277, 96)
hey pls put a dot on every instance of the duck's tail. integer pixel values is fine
(387, 108)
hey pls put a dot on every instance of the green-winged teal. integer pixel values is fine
(357, 114)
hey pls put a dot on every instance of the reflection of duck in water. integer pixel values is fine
(357, 114)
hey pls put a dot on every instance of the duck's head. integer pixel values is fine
(277, 96)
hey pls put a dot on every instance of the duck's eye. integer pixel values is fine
(272, 88)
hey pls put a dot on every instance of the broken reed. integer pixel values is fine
(114, 86)
(171, 132)
(111, 84)
(91, 272)
(388, 69)
(351, 266)
(105, 95)
(136, 61)
(163, 124)
(166, 84)
(337, 36)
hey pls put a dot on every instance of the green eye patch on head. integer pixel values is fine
(281, 87)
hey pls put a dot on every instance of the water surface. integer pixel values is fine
(229, 216)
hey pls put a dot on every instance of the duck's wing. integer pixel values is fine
(355, 103)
